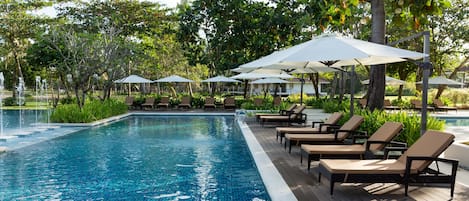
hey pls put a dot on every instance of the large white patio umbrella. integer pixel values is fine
(336, 51)
(441, 80)
(389, 81)
(133, 79)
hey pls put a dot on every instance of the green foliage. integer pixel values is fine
(411, 132)
(335, 105)
(316, 102)
(9, 101)
(91, 111)
(67, 100)
(197, 102)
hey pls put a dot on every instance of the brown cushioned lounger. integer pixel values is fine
(287, 111)
(375, 142)
(325, 138)
(411, 167)
(296, 116)
(322, 128)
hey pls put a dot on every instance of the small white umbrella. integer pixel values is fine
(270, 80)
(389, 81)
(133, 79)
(440, 80)
(174, 78)
(220, 78)
(262, 73)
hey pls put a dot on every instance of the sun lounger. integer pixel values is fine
(209, 103)
(439, 105)
(411, 167)
(388, 106)
(417, 105)
(149, 103)
(321, 128)
(296, 116)
(164, 102)
(376, 142)
(129, 101)
(185, 102)
(285, 112)
(229, 103)
(337, 137)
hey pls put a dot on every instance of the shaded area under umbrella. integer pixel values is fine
(133, 79)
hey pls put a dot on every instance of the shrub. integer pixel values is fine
(9, 101)
(91, 111)
(334, 105)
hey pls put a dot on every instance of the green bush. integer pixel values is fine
(334, 105)
(374, 120)
(9, 101)
(91, 111)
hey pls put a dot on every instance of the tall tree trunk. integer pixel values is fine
(315, 80)
(377, 73)
(333, 86)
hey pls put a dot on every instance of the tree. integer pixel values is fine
(18, 28)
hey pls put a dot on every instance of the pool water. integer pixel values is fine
(14, 119)
(138, 158)
(456, 121)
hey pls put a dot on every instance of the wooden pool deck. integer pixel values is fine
(306, 187)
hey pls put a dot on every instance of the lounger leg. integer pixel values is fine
(309, 162)
(406, 188)
(319, 177)
(285, 145)
(332, 186)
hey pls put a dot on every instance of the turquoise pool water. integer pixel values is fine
(14, 119)
(455, 121)
(138, 158)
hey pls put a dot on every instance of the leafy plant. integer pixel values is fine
(91, 111)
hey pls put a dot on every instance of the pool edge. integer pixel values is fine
(277, 188)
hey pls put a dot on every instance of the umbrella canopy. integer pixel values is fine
(389, 81)
(440, 80)
(220, 78)
(262, 73)
(270, 80)
(332, 50)
(133, 79)
(174, 78)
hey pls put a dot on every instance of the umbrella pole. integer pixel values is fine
(426, 73)
(352, 89)
(301, 88)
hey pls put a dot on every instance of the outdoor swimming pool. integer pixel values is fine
(13, 120)
(456, 121)
(138, 158)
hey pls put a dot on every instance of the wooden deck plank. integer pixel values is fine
(306, 187)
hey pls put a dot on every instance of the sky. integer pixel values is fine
(50, 11)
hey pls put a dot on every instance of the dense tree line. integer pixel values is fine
(100, 41)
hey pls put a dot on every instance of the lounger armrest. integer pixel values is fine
(336, 132)
(410, 159)
(316, 122)
(285, 112)
(332, 128)
(389, 149)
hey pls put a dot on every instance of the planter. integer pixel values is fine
(458, 151)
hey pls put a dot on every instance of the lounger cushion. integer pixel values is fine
(297, 130)
(354, 149)
(350, 166)
(385, 133)
(316, 137)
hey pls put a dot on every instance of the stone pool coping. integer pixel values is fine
(276, 186)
